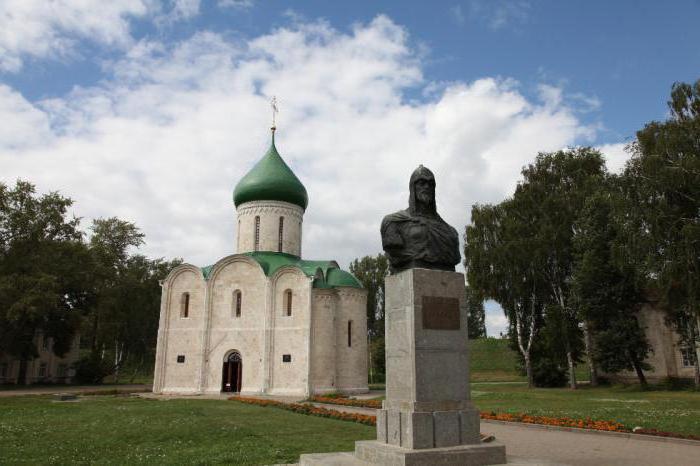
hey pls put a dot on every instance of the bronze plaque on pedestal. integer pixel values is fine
(440, 313)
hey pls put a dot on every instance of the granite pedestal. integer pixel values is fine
(427, 417)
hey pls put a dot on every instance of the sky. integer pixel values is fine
(152, 110)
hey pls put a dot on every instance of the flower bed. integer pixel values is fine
(610, 426)
(336, 400)
(310, 410)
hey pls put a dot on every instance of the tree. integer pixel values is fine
(555, 188)
(45, 271)
(371, 272)
(663, 187)
(499, 266)
(136, 307)
(476, 319)
(122, 323)
(109, 244)
(605, 293)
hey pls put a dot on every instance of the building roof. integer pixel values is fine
(327, 274)
(271, 179)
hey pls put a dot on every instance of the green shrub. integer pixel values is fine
(547, 373)
(90, 369)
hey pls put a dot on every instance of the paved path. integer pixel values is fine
(588, 449)
(48, 390)
(577, 448)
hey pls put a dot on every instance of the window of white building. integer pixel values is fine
(237, 303)
(185, 305)
(42, 369)
(687, 357)
(288, 303)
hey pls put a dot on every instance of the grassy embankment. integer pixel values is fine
(492, 360)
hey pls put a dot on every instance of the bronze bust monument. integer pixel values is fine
(418, 237)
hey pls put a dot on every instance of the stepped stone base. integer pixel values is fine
(349, 459)
(375, 453)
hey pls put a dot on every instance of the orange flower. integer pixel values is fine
(375, 404)
(587, 423)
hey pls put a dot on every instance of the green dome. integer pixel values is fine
(271, 180)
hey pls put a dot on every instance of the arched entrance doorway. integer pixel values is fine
(233, 369)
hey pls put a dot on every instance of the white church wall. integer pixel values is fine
(179, 353)
(290, 333)
(228, 332)
(351, 359)
(323, 342)
(270, 213)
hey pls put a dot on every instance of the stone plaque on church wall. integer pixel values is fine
(440, 313)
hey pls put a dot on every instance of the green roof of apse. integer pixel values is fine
(330, 276)
(271, 179)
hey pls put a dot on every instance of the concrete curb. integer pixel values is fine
(630, 435)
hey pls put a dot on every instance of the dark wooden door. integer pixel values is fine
(231, 375)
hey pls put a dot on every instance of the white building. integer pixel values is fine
(263, 320)
(46, 368)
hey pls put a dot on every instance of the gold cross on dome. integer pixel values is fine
(273, 104)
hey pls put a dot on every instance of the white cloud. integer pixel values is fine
(615, 156)
(498, 14)
(24, 125)
(164, 138)
(180, 10)
(240, 4)
(50, 29)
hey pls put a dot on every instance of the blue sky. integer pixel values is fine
(151, 110)
(623, 54)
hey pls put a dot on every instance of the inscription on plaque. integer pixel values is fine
(440, 313)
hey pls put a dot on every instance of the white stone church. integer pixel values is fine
(263, 320)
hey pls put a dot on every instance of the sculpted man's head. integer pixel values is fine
(422, 192)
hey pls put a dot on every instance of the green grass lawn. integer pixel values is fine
(124, 430)
(672, 411)
(127, 430)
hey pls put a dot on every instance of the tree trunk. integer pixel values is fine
(136, 370)
(369, 355)
(572, 371)
(95, 322)
(117, 361)
(697, 353)
(528, 370)
(592, 366)
(640, 374)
